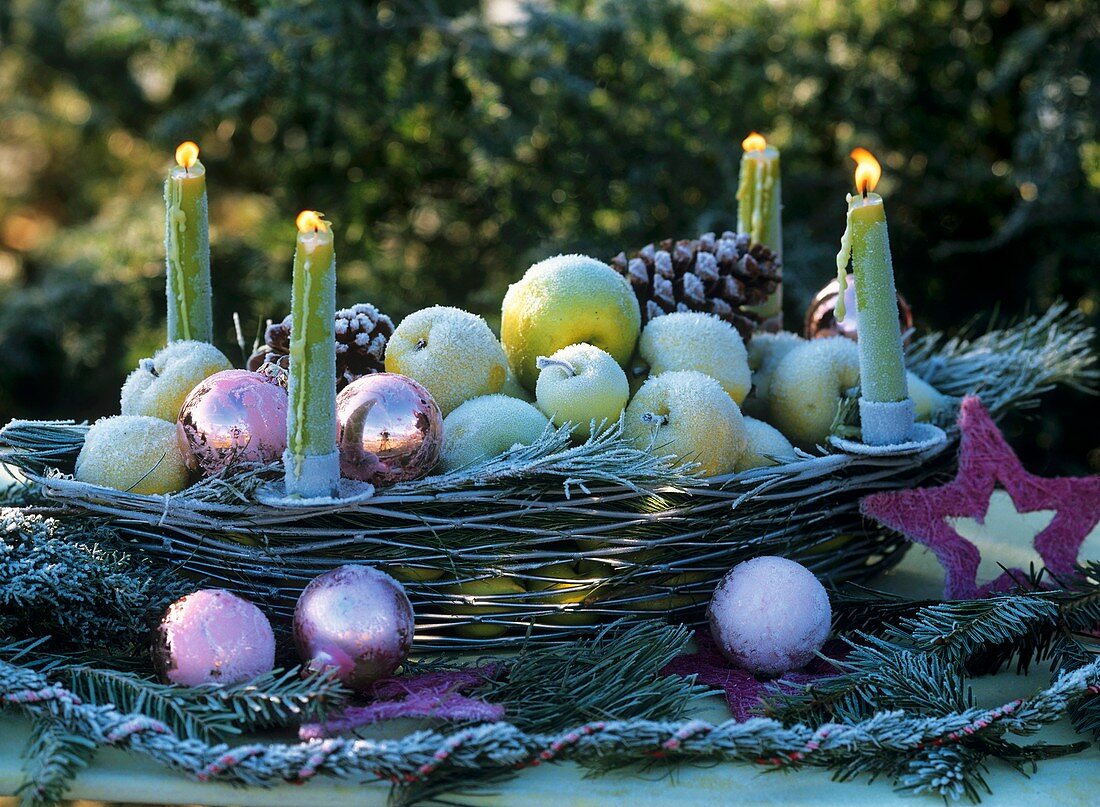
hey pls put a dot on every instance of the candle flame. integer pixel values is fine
(311, 221)
(868, 170)
(754, 142)
(187, 154)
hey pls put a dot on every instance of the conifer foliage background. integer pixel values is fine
(453, 142)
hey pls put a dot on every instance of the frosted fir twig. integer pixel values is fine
(888, 737)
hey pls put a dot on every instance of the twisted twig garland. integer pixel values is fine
(422, 754)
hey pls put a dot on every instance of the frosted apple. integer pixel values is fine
(583, 385)
(158, 387)
(563, 301)
(688, 414)
(567, 583)
(487, 426)
(765, 351)
(927, 400)
(807, 385)
(135, 453)
(500, 593)
(766, 444)
(689, 340)
(451, 352)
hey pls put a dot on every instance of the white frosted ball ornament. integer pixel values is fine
(769, 615)
(689, 340)
(158, 387)
(583, 385)
(485, 427)
(212, 637)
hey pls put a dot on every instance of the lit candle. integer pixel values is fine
(866, 242)
(187, 248)
(311, 459)
(759, 211)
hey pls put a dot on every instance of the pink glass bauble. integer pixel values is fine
(355, 620)
(212, 637)
(821, 319)
(388, 428)
(232, 417)
(769, 615)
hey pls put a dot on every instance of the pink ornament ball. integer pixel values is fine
(769, 615)
(232, 417)
(212, 637)
(355, 620)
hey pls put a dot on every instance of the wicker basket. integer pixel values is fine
(549, 541)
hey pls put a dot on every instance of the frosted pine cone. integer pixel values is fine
(717, 275)
(362, 332)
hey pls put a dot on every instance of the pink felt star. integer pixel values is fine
(985, 460)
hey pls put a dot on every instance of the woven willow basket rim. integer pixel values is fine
(550, 541)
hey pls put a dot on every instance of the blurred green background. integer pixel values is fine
(453, 143)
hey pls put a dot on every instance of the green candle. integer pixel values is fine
(866, 242)
(187, 248)
(759, 211)
(311, 459)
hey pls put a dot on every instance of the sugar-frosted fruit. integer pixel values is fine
(807, 385)
(765, 352)
(159, 385)
(687, 414)
(487, 426)
(451, 352)
(583, 385)
(563, 301)
(688, 340)
(501, 592)
(513, 389)
(134, 453)
(567, 583)
(765, 445)
(927, 400)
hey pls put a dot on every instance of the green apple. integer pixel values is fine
(578, 582)
(689, 340)
(490, 587)
(159, 386)
(486, 427)
(807, 385)
(564, 301)
(689, 415)
(451, 352)
(513, 389)
(134, 453)
(765, 352)
(927, 400)
(583, 385)
(765, 445)
(413, 574)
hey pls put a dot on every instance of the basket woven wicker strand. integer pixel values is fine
(549, 541)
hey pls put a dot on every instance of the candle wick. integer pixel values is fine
(864, 191)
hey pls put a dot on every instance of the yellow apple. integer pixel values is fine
(451, 352)
(689, 340)
(765, 445)
(134, 453)
(486, 427)
(927, 400)
(807, 386)
(563, 301)
(689, 415)
(765, 351)
(490, 587)
(583, 385)
(158, 387)
(578, 582)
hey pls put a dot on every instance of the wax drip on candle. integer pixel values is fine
(867, 174)
(186, 159)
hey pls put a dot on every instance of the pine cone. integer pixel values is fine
(721, 276)
(362, 332)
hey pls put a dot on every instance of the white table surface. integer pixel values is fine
(117, 776)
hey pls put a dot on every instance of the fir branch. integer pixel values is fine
(52, 759)
(878, 745)
(614, 675)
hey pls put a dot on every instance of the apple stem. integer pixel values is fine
(148, 366)
(421, 344)
(542, 362)
(650, 417)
